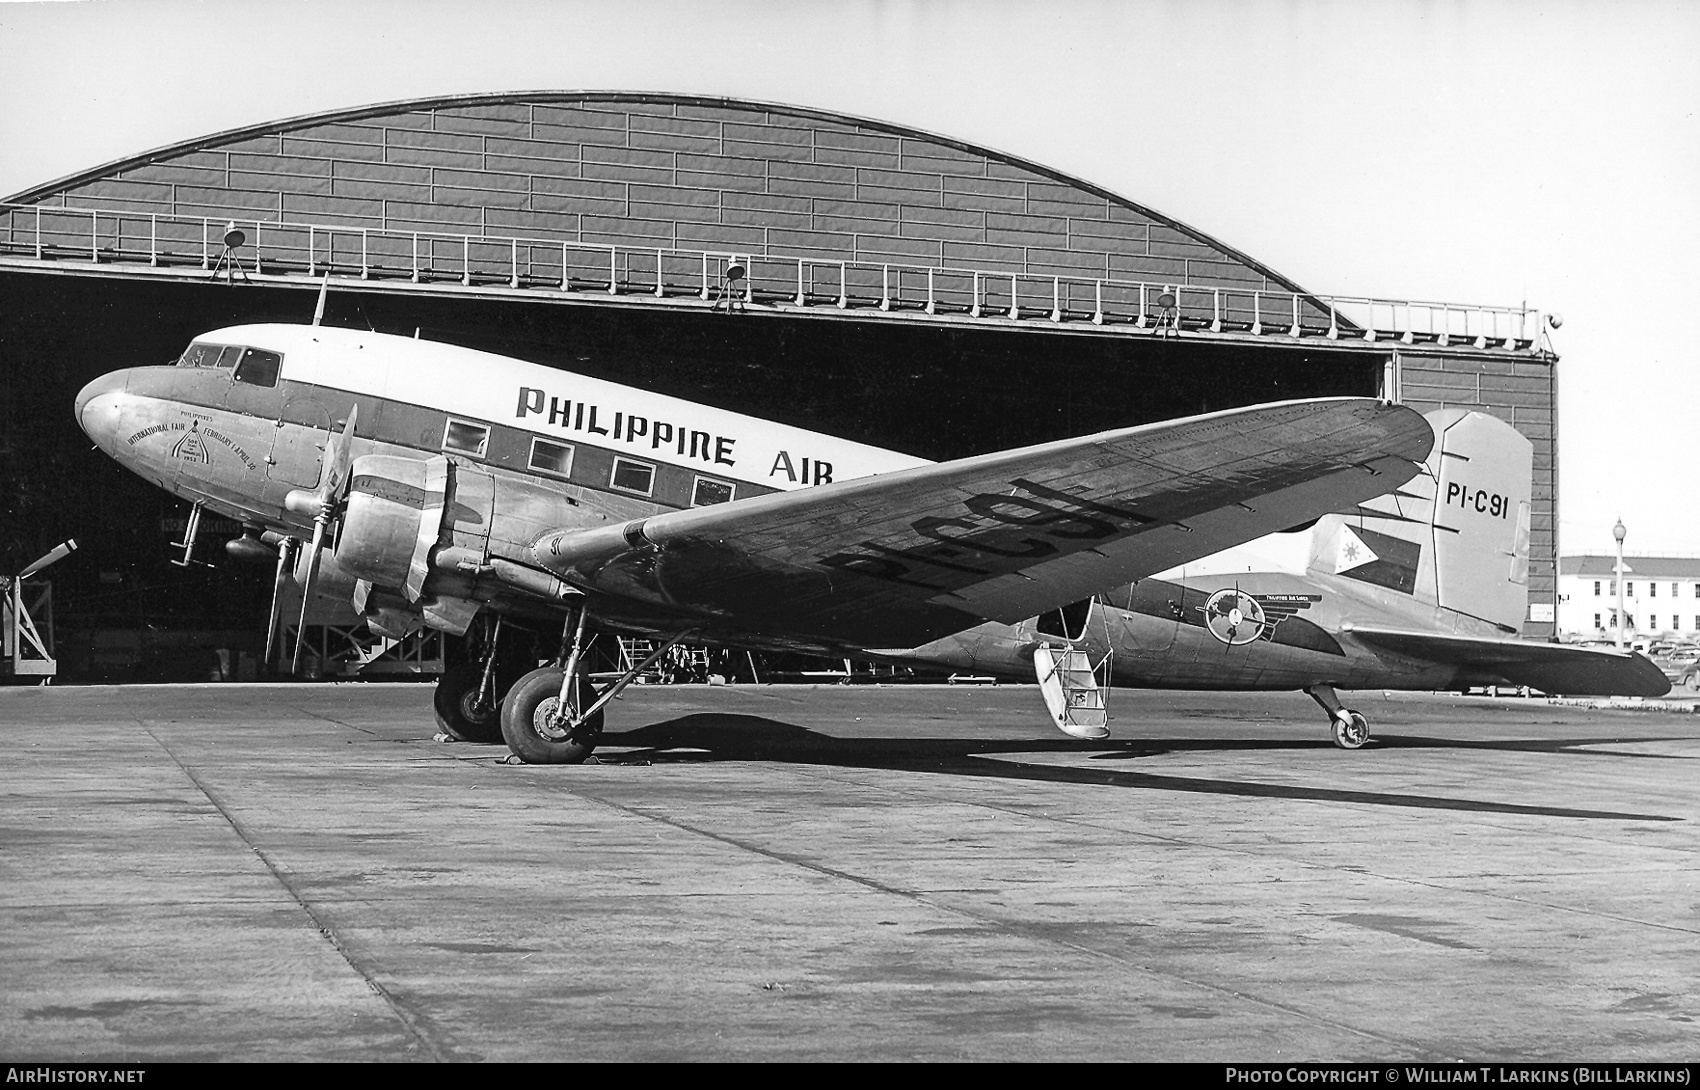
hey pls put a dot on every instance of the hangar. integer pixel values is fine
(842, 274)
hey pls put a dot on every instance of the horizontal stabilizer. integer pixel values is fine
(1549, 667)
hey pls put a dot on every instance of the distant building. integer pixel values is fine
(1661, 597)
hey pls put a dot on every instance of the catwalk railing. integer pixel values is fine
(292, 250)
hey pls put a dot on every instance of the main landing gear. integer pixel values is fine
(468, 700)
(1351, 729)
(542, 728)
(553, 715)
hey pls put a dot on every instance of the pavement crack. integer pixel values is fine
(410, 1021)
(1031, 933)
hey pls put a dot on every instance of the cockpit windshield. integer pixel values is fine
(254, 366)
(259, 367)
(201, 355)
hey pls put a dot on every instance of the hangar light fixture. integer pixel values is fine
(732, 281)
(234, 237)
(1168, 313)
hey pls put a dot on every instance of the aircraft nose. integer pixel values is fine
(97, 407)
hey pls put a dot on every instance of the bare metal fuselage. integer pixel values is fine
(1155, 634)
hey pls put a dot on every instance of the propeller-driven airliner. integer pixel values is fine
(524, 509)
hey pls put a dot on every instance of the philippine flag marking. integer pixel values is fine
(1353, 552)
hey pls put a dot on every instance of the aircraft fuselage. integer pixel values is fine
(1158, 634)
(239, 438)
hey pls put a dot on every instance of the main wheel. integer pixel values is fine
(1351, 730)
(528, 719)
(461, 709)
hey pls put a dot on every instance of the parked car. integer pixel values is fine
(1681, 665)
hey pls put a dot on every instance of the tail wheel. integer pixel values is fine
(529, 720)
(461, 709)
(1351, 729)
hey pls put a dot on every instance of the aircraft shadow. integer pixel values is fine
(721, 737)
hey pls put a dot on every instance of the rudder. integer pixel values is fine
(1454, 536)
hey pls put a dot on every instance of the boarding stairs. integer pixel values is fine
(1070, 686)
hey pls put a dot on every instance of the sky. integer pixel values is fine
(1479, 152)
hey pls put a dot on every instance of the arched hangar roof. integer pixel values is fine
(666, 171)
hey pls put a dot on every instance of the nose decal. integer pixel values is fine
(190, 447)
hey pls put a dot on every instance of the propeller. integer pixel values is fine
(324, 503)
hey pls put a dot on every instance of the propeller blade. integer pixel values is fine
(339, 453)
(319, 526)
(284, 552)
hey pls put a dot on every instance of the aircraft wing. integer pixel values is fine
(1549, 667)
(898, 559)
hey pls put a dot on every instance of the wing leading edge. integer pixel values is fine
(902, 558)
(1549, 667)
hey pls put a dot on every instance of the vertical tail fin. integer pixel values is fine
(1455, 536)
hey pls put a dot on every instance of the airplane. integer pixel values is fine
(1424, 588)
(526, 509)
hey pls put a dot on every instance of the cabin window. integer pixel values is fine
(709, 491)
(257, 367)
(464, 438)
(630, 476)
(555, 459)
(228, 356)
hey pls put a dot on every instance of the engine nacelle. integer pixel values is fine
(432, 527)
(387, 510)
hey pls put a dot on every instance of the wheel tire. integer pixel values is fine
(456, 713)
(525, 727)
(1351, 731)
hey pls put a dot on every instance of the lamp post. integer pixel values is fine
(1618, 532)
